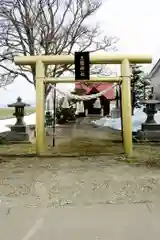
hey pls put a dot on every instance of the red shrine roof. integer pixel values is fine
(100, 87)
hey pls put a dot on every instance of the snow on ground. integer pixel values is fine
(29, 120)
(115, 123)
(138, 118)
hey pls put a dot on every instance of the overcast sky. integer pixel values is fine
(136, 23)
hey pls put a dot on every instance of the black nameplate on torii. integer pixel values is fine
(82, 66)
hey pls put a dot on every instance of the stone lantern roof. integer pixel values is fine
(150, 101)
(19, 103)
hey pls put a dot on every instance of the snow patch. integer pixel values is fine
(29, 120)
(138, 118)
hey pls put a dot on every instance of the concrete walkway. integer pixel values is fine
(114, 222)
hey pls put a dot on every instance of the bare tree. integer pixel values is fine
(47, 27)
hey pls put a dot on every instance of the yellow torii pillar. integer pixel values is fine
(126, 107)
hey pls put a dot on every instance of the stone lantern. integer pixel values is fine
(150, 110)
(18, 131)
(150, 130)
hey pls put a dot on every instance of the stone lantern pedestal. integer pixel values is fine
(150, 130)
(18, 131)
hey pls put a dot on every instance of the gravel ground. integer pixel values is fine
(76, 181)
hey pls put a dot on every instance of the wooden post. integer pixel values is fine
(120, 100)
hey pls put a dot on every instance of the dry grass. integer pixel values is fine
(88, 145)
(17, 149)
(148, 154)
(6, 113)
(76, 146)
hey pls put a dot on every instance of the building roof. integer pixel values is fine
(154, 70)
(100, 87)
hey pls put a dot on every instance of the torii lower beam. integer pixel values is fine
(40, 61)
(91, 80)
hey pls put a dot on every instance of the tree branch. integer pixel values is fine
(48, 27)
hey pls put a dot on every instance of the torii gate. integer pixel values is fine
(125, 60)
